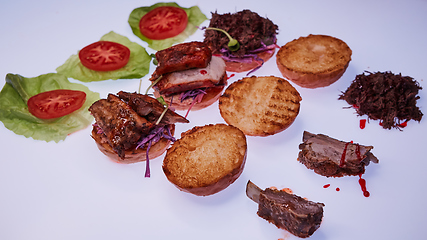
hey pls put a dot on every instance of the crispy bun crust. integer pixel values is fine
(211, 96)
(260, 106)
(134, 155)
(206, 159)
(314, 61)
(232, 66)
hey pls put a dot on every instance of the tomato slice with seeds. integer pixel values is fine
(55, 103)
(104, 56)
(163, 22)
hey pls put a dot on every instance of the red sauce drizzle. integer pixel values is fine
(362, 183)
(337, 189)
(362, 123)
(203, 72)
(343, 155)
(326, 185)
(404, 124)
(232, 75)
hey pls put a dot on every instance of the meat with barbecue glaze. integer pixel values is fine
(334, 158)
(182, 57)
(122, 126)
(287, 211)
(150, 108)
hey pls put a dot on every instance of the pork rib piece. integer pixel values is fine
(287, 211)
(334, 158)
(182, 57)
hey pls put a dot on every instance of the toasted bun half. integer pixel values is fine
(206, 159)
(233, 66)
(314, 61)
(211, 96)
(260, 106)
(133, 155)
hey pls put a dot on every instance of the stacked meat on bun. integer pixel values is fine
(132, 127)
(187, 76)
(256, 37)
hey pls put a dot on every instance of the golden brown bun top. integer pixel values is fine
(260, 106)
(314, 54)
(206, 159)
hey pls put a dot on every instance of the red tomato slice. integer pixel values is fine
(104, 56)
(56, 103)
(163, 22)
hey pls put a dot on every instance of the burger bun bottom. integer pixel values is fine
(132, 155)
(233, 66)
(212, 95)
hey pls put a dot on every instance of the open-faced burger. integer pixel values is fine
(188, 76)
(256, 37)
(132, 127)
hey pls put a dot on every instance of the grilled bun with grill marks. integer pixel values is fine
(260, 106)
(206, 159)
(314, 61)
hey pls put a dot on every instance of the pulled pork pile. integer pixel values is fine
(390, 98)
(251, 31)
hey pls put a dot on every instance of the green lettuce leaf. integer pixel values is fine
(15, 115)
(137, 67)
(195, 18)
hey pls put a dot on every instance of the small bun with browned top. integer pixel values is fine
(206, 159)
(314, 61)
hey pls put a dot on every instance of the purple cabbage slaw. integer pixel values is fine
(154, 136)
(195, 94)
(250, 56)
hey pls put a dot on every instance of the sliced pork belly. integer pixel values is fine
(182, 57)
(210, 76)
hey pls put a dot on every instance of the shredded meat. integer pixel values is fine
(250, 30)
(390, 98)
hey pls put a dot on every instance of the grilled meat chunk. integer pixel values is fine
(334, 158)
(122, 126)
(212, 75)
(150, 108)
(287, 211)
(182, 57)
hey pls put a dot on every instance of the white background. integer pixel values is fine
(70, 190)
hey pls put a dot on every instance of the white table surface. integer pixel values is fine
(70, 190)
